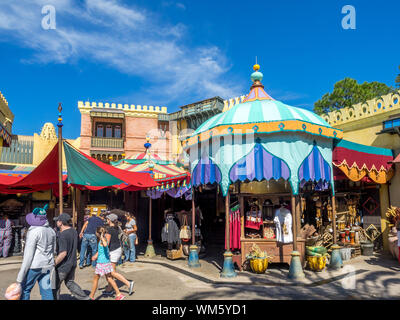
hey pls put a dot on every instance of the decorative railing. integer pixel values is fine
(116, 143)
(371, 108)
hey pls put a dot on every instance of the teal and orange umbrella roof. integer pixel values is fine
(260, 113)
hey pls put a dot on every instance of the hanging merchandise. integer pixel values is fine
(253, 218)
(352, 208)
(330, 210)
(269, 233)
(283, 224)
(303, 207)
(185, 234)
(234, 228)
(170, 231)
(318, 216)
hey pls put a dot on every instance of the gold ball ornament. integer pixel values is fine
(256, 67)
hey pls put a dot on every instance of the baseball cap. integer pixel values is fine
(63, 217)
(112, 217)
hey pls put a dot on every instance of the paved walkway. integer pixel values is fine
(376, 277)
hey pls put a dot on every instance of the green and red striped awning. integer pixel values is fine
(85, 171)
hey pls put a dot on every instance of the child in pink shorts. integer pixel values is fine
(103, 265)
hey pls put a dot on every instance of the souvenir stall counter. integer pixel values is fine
(262, 140)
(268, 223)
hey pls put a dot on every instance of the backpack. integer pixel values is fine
(123, 238)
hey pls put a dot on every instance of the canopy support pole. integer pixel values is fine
(150, 253)
(334, 218)
(294, 222)
(60, 180)
(193, 260)
(73, 194)
(228, 270)
(295, 269)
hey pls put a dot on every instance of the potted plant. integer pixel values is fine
(258, 259)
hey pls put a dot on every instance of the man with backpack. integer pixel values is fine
(114, 245)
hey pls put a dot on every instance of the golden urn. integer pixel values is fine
(259, 265)
(317, 262)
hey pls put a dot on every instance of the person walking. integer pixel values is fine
(5, 235)
(38, 261)
(103, 265)
(130, 230)
(89, 241)
(66, 258)
(114, 244)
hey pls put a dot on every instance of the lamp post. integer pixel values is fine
(60, 180)
(150, 252)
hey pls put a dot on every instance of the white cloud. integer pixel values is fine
(131, 40)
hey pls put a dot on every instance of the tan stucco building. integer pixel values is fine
(374, 123)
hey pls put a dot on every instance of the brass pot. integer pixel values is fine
(259, 265)
(316, 263)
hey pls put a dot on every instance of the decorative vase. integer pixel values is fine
(259, 265)
(367, 248)
(347, 232)
(316, 263)
(357, 238)
(352, 237)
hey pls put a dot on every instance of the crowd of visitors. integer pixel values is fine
(51, 254)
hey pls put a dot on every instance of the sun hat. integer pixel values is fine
(38, 217)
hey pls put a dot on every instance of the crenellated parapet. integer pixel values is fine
(229, 103)
(385, 106)
(129, 110)
(3, 99)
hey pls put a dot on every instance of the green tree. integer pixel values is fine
(398, 79)
(347, 92)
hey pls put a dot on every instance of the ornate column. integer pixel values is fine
(228, 270)
(295, 270)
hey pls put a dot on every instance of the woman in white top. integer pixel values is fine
(130, 230)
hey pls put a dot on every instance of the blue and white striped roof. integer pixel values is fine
(259, 111)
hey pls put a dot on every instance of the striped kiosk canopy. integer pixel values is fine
(262, 139)
(169, 174)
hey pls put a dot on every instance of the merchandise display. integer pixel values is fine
(283, 223)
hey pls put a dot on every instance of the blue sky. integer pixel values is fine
(171, 53)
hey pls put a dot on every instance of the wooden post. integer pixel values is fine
(60, 180)
(136, 201)
(298, 214)
(334, 219)
(294, 223)
(73, 195)
(193, 219)
(228, 243)
(150, 214)
(241, 203)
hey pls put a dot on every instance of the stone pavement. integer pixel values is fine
(375, 277)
